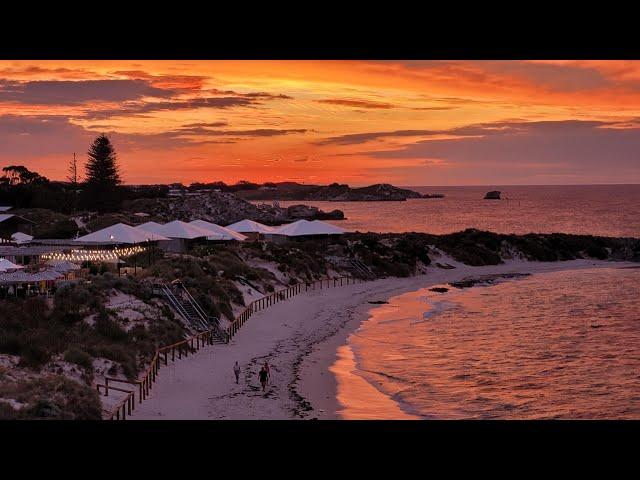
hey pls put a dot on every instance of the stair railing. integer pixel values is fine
(177, 305)
(209, 320)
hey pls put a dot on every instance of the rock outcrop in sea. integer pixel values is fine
(492, 195)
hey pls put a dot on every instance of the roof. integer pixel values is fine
(218, 232)
(6, 216)
(20, 237)
(25, 277)
(180, 229)
(121, 233)
(305, 227)
(250, 226)
(14, 251)
(64, 266)
(152, 227)
(7, 265)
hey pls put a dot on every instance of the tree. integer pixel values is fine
(72, 171)
(20, 175)
(102, 177)
(102, 168)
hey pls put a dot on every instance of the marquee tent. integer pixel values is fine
(120, 233)
(218, 232)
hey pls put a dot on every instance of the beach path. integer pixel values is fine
(203, 386)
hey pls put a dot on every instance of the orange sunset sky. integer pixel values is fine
(356, 122)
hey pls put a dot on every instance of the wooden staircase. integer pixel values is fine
(179, 298)
(359, 269)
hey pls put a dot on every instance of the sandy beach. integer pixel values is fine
(301, 339)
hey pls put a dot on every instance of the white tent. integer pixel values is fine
(305, 227)
(153, 228)
(120, 233)
(179, 229)
(250, 226)
(6, 265)
(20, 237)
(218, 232)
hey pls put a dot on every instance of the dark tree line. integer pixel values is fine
(101, 189)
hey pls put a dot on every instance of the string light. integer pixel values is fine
(94, 255)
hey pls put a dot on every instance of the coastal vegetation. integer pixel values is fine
(81, 333)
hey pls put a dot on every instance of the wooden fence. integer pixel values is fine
(284, 294)
(142, 386)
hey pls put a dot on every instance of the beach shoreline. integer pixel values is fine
(333, 361)
(301, 339)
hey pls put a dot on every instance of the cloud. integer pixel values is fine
(356, 138)
(218, 102)
(356, 103)
(553, 77)
(206, 125)
(172, 82)
(578, 147)
(189, 137)
(28, 136)
(479, 129)
(63, 92)
(432, 108)
(39, 135)
(140, 108)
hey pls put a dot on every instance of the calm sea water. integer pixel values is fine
(552, 345)
(608, 210)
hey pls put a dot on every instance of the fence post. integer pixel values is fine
(140, 395)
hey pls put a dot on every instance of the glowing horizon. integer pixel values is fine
(357, 122)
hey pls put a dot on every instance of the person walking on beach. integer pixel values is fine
(263, 377)
(236, 370)
(266, 367)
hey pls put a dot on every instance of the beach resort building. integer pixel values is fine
(10, 224)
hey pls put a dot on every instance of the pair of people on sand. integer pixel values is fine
(263, 375)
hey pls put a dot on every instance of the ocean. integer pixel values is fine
(552, 345)
(607, 210)
(561, 345)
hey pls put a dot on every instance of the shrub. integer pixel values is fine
(79, 357)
